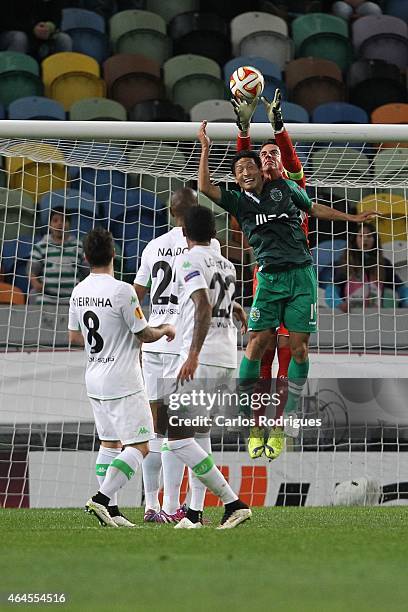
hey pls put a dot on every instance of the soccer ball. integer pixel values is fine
(246, 83)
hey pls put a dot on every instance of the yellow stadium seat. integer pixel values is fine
(74, 86)
(392, 220)
(61, 63)
(35, 178)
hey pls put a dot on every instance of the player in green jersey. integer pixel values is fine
(269, 214)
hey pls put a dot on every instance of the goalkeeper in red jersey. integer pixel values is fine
(278, 151)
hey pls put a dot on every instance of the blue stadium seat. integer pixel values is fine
(325, 256)
(90, 42)
(36, 107)
(72, 200)
(98, 183)
(73, 18)
(294, 113)
(339, 112)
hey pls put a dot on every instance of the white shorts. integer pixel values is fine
(128, 419)
(156, 367)
(214, 381)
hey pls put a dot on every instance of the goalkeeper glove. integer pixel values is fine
(244, 111)
(274, 111)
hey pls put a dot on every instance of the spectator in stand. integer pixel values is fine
(31, 26)
(56, 264)
(363, 274)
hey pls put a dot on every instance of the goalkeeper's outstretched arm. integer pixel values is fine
(204, 181)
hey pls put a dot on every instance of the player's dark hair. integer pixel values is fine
(181, 201)
(99, 247)
(247, 154)
(199, 224)
(269, 141)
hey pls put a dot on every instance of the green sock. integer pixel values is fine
(297, 376)
(249, 372)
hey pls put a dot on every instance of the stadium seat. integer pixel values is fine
(204, 34)
(87, 31)
(19, 77)
(373, 83)
(382, 37)
(59, 64)
(323, 36)
(71, 87)
(153, 155)
(312, 82)
(171, 8)
(249, 23)
(16, 250)
(73, 18)
(397, 8)
(345, 164)
(106, 188)
(392, 224)
(132, 79)
(157, 110)
(73, 201)
(272, 46)
(35, 178)
(392, 163)
(292, 113)
(140, 32)
(325, 256)
(390, 113)
(10, 294)
(339, 112)
(36, 107)
(16, 213)
(191, 79)
(97, 109)
(213, 110)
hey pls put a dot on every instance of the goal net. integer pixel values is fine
(120, 176)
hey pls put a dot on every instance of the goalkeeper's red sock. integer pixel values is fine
(284, 357)
(266, 364)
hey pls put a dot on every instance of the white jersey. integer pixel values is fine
(108, 314)
(156, 272)
(203, 268)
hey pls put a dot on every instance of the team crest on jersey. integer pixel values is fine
(132, 300)
(276, 195)
(186, 265)
(255, 314)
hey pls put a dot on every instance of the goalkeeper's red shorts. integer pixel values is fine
(282, 331)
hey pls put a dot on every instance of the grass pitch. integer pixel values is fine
(291, 559)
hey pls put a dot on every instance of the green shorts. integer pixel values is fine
(288, 297)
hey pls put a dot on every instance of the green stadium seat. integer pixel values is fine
(19, 77)
(171, 8)
(323, 36)
(97, 109)
(17, 212)
(190, 79)
(126, 21)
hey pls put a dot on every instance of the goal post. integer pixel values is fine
(120, 175)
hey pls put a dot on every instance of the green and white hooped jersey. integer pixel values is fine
(204, 268)
(157, 271)
(108, 314)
